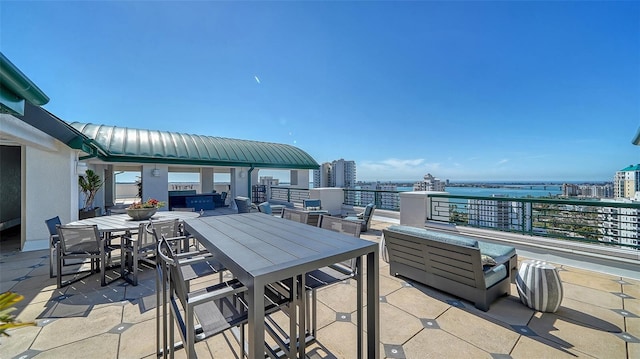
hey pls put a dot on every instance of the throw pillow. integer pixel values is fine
(313, 208)
(487, 260)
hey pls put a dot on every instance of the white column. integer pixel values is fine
(415, 208)
(331, 198)
(206, 180)
(155, 183)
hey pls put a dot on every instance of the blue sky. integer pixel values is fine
(461, 90)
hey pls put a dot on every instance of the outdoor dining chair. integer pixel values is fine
(334, 273)
(363, 218)
(243, 204)
(53, 241)
(142, 247)
(202, 313)
(295, 215)
(83, 242)
(195, 263)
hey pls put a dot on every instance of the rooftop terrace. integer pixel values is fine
(599, 318)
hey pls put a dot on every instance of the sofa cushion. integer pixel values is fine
(495, 274)
(497, 251)
(436, 236)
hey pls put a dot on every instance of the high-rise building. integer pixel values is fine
(321, 176)
(620, 225)
(626, 182)
(377, 195)
(339, 173)
(429, 183)
(587, 190)
(503, 215)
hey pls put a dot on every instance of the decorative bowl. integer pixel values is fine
(141, 214)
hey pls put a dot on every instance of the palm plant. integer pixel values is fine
(7, 320)
(90, 183)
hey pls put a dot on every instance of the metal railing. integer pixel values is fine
(292, 195)
(389, 200)
(608, 223)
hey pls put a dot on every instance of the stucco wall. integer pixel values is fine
(49, 187)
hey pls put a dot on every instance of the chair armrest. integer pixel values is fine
(218, 291)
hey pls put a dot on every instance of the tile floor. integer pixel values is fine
(599, 318)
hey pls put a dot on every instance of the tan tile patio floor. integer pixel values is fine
(599, 318)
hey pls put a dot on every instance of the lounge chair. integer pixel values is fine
(243, 204)
(364, 218)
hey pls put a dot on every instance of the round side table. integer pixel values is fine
(539, 286)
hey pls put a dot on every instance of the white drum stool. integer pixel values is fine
(539, 286)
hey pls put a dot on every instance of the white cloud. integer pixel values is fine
(257, 79)
(503, 161)
(394, 169)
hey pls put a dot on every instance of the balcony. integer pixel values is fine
(599, 316)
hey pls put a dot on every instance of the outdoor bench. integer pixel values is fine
(451, 263)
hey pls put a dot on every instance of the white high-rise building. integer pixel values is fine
(383, 200)
(321, 176)
(503, 215)
(429, 183)
(626, 182)
(620, 225)
(339, 173)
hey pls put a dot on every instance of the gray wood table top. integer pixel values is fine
(122, 222)
(271, 247)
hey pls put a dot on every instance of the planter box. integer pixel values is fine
(82, 214)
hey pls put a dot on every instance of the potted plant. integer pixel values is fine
(140, 211)
(89, 184)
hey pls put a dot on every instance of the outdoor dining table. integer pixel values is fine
(123, 223)
(260, 249)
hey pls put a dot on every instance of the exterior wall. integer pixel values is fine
(48, 181)
(49, 189)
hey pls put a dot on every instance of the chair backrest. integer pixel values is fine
(79, 239)
(51, 225)
(295, 215)
(339, 225)
(368, 214)
(174, 275)
(169, 228)
(243, 204)
(223, 196)
(311, 204)
(265, 207)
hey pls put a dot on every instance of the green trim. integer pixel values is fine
(19, 84)
(11, 103)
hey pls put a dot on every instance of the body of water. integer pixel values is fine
(510, 191)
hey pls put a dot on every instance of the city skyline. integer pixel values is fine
(466, 91)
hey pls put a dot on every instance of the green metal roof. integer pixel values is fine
(16, 88)
(121, 144)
